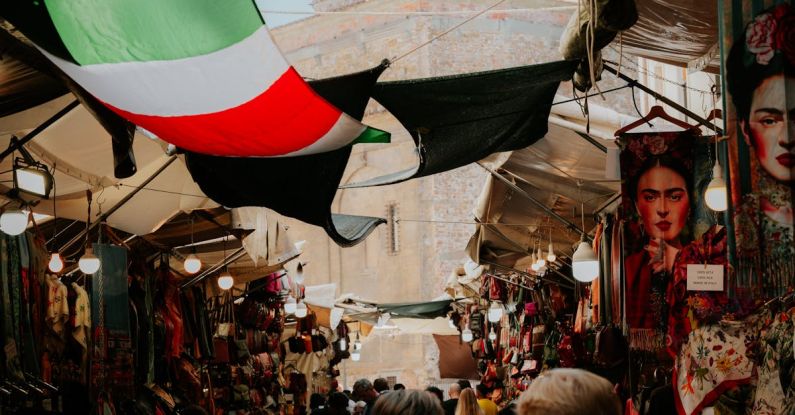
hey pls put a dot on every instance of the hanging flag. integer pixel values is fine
(203, 75)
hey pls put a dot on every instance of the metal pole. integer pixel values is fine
(224, 262)
(664, 99)
(121, 203)
(536, 202)
(43, 126)
(591, 140)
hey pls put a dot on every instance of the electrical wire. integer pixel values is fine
(431, 40)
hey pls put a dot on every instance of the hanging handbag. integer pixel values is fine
(226, 321)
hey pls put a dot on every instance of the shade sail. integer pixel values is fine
(22, 87)
(457, 120)
(678, 32)
(202, 75)
(299, 187)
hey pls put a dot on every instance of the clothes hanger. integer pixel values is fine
(656, 111)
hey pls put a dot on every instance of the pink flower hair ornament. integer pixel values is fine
(770, 33)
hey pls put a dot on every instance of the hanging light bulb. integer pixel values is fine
(192, 264)
(289, 305)
(551, 257)
(226, 281)
(534, 262)
(356, 356)
(495, 311)
(542, 262)
(89, 263)
(716, 195)
(299, 274)
(584, 264)
(357, 345)
(492, 334)
(343, 344)
(300, 309)
(56, 263)
(13, 222)
(466, 335)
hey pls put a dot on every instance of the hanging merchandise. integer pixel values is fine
(662, 213)
(759, 84)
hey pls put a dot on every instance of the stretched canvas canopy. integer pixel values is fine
(679, 32)
(561, 171)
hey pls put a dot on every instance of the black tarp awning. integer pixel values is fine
(299, 187)
(460, 119)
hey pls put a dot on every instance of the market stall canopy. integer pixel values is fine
(559, 172)
(80, 152)
(460, 119)
(204, 76)
(678, 32)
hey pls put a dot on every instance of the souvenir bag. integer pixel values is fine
(223, 331)
(497, 289)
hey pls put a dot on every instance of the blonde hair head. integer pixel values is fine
(468, 403)
(569, 392)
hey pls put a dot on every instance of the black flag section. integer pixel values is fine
(460, 119)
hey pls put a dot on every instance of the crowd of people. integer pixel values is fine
(555, 392)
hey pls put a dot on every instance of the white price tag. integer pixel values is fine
(704, 277)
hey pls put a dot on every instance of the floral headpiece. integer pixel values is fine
(637, 148)
(770, 33)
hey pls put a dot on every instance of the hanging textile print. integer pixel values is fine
(201, 74)
(662, 212)
(760, 78)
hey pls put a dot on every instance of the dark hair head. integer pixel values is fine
(482, 390)
(338, 400)
(408, 402)
(361, 389)
(380, 385)
(661, 161)
(745, 72)
(399, 386)
(316, 400)
(436, 391)
(463, 383)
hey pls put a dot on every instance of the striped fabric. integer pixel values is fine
(204, 75)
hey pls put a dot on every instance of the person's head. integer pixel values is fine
(661, 191)
(454, 391)
(338, 402)
(468, 403)
(316, 400)
(482, 391)
(463, 383)
(380, 385)
(436, 392)
(363, 391)
(760, 72)
(408, 402)
(569, 392)
(399, 386)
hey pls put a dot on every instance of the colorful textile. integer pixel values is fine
(775, 391)
(714, 359)
(201, 74)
